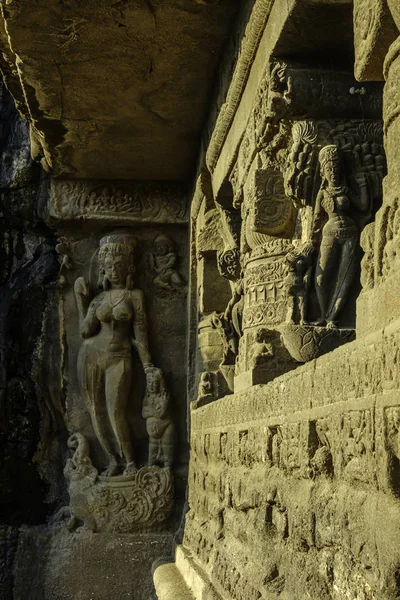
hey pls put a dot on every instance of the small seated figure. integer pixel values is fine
(298, 282)
(262, 348)
(159, 425)
(164, 262)
(205, 389)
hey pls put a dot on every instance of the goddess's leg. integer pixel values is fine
(118, 392)
(91, 374)
(326, 264)
(345, 276)
(168, 445)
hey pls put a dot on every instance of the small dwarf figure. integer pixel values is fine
(262, 347)
(206, 388)
(159, 425)
(298, 282)
(164, 261)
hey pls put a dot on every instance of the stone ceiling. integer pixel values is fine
(115, 88)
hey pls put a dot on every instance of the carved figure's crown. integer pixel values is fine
(119, 237)
(330, 152)
(164, 238)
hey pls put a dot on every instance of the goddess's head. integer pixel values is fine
(329, 160)
(116, 257)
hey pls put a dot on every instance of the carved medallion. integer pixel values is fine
(272, 212)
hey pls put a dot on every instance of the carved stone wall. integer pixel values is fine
(377, 44)
(123, 335)
(164, 306)
(293, 486)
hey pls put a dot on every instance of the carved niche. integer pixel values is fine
(334, 175)
(216, 265)
(119, 411)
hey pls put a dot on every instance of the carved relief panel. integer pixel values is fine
(122, 298)
(334, 175)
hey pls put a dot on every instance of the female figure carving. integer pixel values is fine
(338, 253)
(111, 326)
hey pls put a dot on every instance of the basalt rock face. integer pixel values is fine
(28, 271)
(117, 90)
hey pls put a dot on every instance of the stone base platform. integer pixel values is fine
(142, 502)
(54, 564)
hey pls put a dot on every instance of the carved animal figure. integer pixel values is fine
(80, 465)
(298, 282)
(262, 350)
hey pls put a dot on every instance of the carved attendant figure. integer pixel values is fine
(298, 282)
(114, 323)
(337, 258)
(164, 262)
(159, 424)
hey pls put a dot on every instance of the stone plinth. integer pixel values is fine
(140, 502)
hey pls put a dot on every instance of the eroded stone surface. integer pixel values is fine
(299, 477)
(293, 485)
(53, 563)
(117, 91)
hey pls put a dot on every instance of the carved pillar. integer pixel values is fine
(377, 45)
(268, 225)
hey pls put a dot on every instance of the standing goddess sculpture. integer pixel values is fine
(338, 258)
(112, 325)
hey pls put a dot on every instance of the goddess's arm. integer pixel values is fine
(88, 321)
(317, 218)
(140, 331)
(361, 201)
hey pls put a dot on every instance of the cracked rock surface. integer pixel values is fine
(114, 89)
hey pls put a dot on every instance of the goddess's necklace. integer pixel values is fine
(120, 297)
(335, 190)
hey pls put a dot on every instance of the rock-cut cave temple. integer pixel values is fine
(200, 300)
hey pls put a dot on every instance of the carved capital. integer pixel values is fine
(270, 211)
